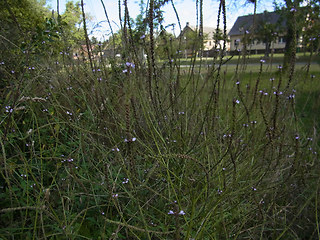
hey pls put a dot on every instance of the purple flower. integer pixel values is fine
(293, 10)
(181, 212)
(9, 109)
(171, 212)
(125, 180)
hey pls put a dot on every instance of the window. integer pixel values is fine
(281, 40)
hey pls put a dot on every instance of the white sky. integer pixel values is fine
(186, 10)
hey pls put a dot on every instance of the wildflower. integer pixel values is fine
(125, 180)
(181, 113)
(115, 149)
(171, 212)
(262, 61)
(237, 101)
(266, 94)
(309, 139)
(181, 212)
(12, 71)
(130, 140)
(69, 113)
(129, 64)
(219, 191)
(125, 70)
(271, 79)
(291, 96)
(9, 109)
(2, 63)
(102, 213)
(293, 10)
(143, 36)
(279, 67)
(254, 189)
(115, 195)
(247, 32)
(312, 76)
(237, 83)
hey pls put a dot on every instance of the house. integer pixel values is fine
(188, 38)
(268, 33)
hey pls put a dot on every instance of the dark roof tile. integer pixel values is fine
(244, 23)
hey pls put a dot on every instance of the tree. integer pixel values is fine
(21, 21)
(71, 21)
(266, 33)
(290, 12)
(166, 45)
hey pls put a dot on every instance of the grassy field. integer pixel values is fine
(276, 59)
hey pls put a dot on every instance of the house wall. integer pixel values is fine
(236, 43)
(210, 43)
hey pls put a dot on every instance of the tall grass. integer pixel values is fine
(132, 150)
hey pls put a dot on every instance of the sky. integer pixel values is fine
(186, 10)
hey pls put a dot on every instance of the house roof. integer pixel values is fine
(244, 23)
(209, 31)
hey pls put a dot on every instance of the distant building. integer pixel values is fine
(209, 42)
(244, 26)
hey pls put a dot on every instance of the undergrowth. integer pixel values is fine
(138, 149)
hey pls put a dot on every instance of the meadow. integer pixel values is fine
(158, 149)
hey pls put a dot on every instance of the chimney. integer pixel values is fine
(187, 25)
